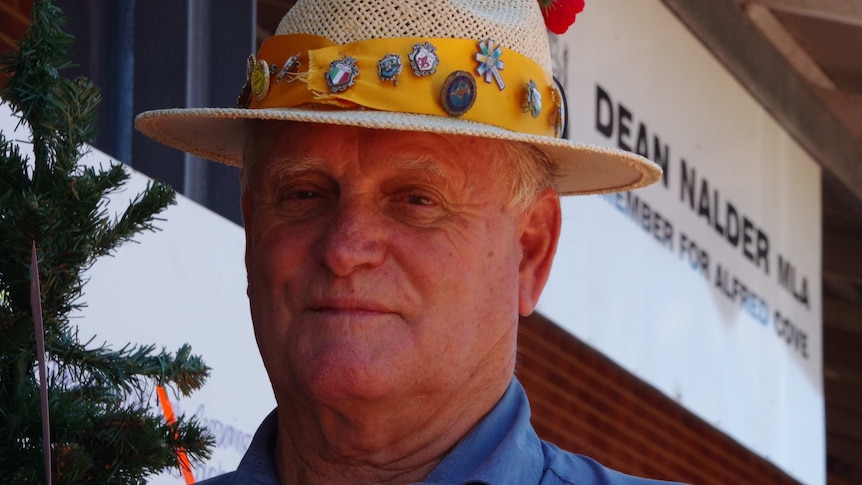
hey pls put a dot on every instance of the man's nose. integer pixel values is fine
(354, 239)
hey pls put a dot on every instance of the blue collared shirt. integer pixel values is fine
(503, 449)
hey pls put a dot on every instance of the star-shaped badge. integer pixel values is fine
(490, 63)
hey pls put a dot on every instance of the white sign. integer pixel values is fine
(706, 285)
(183, 284)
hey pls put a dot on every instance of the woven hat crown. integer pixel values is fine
(514, 24)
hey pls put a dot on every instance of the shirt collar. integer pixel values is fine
(257, 467)
(501, 449)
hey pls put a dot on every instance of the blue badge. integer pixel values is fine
(458, 93)
(533, 100)
(342, 74)
(389, 68)
(424, 59)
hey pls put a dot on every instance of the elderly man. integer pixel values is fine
(401, 167)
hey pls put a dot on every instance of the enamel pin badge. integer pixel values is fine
(258, 77)
(342, 74)
(389, 68)
(533, 100)
(424, 59)
(458, 93)
(490, 64)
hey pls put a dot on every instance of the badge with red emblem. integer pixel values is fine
(424, 59)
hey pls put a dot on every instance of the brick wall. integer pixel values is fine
(585, 403)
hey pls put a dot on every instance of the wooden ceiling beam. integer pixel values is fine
(732, 37)
(843, 11)
(784, 41)
(847, 107)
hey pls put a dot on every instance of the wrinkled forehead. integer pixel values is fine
(277, 143)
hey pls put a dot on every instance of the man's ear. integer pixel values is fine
(540, 232)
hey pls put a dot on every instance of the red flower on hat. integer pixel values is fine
(560, 14)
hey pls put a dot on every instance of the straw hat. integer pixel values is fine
(466, 67)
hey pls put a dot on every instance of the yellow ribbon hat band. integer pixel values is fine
(296, 69)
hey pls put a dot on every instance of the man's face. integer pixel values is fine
(381, 264)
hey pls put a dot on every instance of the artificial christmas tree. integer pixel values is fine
(103, 427)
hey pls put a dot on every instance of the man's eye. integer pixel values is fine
(293, 194)
(419, 200)
(303, 203)
(304, 195)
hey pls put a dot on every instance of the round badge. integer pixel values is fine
(458, 93)
(259, 78)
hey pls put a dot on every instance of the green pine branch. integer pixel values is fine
(106, 425)
(135, 368)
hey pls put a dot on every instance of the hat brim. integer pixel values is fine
(219, 134)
